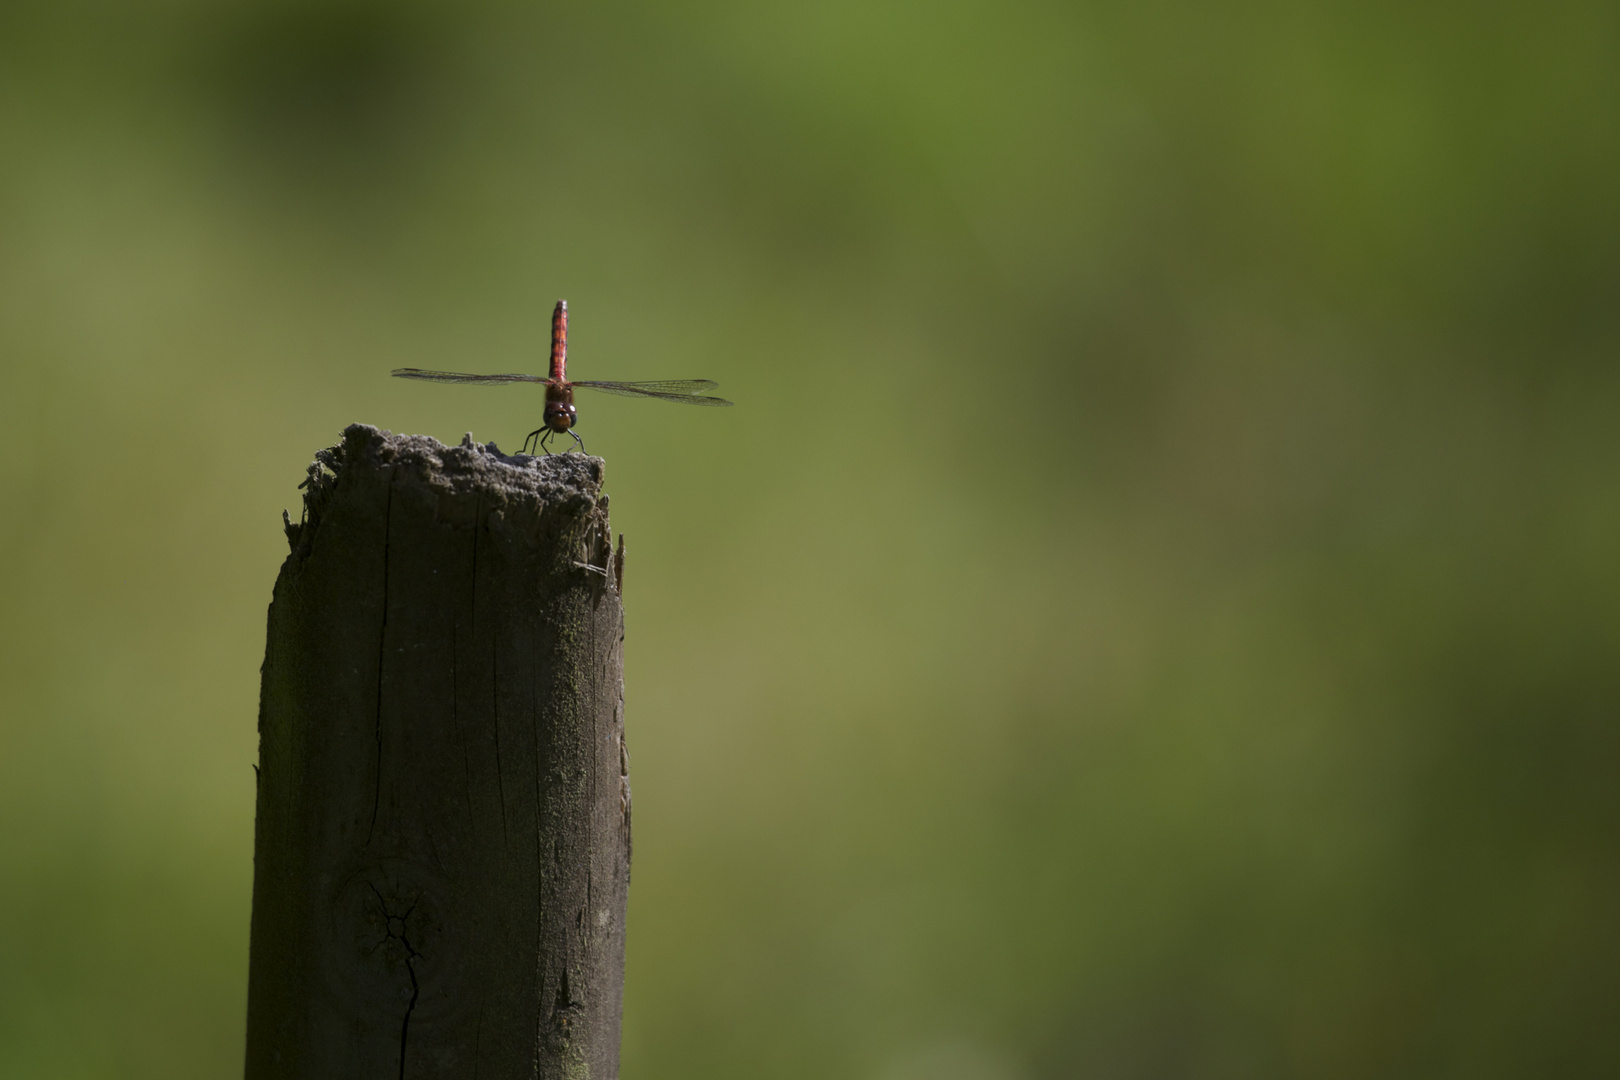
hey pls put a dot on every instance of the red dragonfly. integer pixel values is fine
(560, 415)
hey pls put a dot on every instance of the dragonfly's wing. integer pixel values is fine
(451, 376)
(685, 391)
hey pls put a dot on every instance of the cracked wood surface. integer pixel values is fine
(442, 848)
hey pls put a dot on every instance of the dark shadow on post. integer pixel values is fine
(442, 853)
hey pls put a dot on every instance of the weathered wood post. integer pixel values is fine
(442, 850)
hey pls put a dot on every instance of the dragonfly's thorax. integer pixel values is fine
(560, 413)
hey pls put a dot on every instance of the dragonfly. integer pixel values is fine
(560, 416)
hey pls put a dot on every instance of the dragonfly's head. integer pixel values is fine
(560, 415)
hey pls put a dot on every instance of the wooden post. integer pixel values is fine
(442, 850)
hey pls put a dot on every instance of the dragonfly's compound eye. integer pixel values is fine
(560, 415)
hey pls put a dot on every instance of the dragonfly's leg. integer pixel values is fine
(532, 437)
(578, 440)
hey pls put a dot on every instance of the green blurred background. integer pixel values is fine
(1154, 611)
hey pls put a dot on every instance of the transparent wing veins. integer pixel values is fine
(681, 391)
(457, 377)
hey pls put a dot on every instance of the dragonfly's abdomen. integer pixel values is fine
(559, 342)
